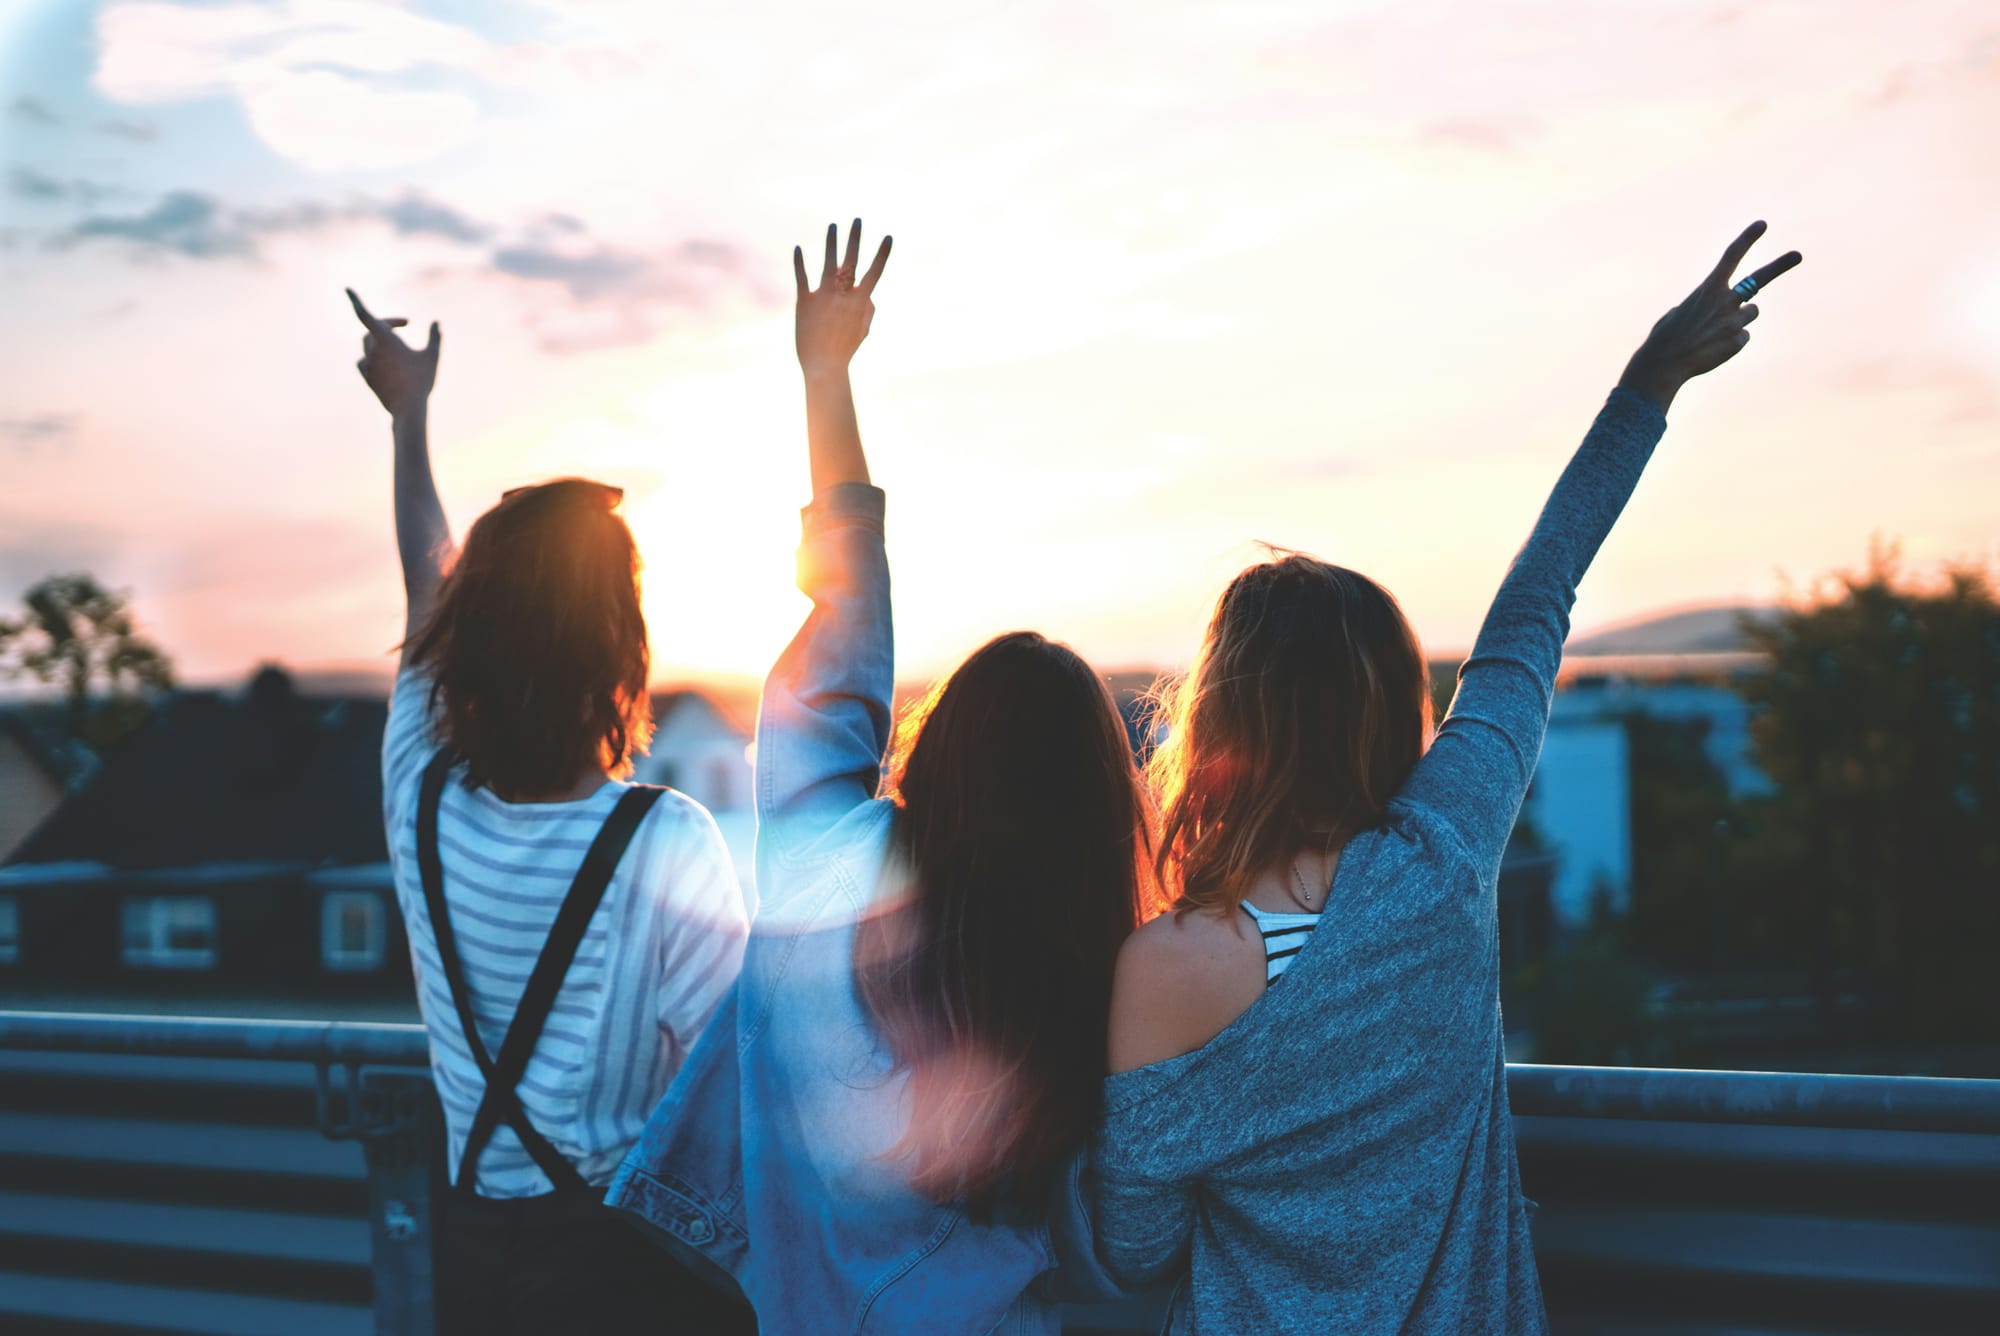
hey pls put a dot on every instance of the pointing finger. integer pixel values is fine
(853, 247)
(881, 262)
(361, 312)
(832, 241)
(1734, 255)
(799, 268)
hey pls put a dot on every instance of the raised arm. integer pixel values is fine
(402, 377)
(824, 722)
(1477, 771)
(828, 328)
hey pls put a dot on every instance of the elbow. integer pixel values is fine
(1140, 1268)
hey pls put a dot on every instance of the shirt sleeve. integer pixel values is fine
(824, 722)
(409, 740)
(704, 928)
(1476, 772)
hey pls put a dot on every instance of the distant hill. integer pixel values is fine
(1713, 630)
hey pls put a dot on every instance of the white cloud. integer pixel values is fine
(328, 123)
(317, 78)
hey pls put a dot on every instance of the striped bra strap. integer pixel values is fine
(1284, 937)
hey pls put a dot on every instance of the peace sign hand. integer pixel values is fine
(831, 322)
(400, 375)
(1707, 329)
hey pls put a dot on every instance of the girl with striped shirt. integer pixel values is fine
(571, 934)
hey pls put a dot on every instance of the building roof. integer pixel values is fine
(733, 702)
(262, 775)
(35, 730)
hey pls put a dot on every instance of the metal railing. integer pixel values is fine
(160, 1174)
(172, 1222)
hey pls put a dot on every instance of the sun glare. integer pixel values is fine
(715, 601)
(718, 521)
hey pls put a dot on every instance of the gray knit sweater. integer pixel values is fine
(1340, 1158)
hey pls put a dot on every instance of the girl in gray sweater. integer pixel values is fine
(1308, 1102)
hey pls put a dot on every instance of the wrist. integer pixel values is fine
(411, 414)
(1649, 384)
(824, 373)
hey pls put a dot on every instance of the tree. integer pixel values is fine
(79, 636)
(1681, 815)
(1880, 723)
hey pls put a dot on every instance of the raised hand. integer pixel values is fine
(832, 321)
(400, 375)
(1707, 329)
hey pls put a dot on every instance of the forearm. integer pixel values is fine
(1477, 770)
(1530, 613)
(826, 713)
(833, 434)
(423, 537)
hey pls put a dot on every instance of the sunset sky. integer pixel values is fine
(1168, 279)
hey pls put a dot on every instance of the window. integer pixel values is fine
(170, 932)
(10, 930)
(352, 931)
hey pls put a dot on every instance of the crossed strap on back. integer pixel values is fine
(502, 1102)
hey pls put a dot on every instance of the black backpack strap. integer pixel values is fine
(501, 1102)
(431, 871)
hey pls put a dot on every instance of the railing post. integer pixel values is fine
(394, 1114)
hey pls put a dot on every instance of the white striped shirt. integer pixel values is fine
(660, 951)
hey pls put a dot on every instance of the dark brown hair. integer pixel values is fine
(1307, 707)
(536, 645)
(1024, 837)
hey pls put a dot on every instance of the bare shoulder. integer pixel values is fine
(1181, 980)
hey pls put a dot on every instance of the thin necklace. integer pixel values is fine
(1305, 896)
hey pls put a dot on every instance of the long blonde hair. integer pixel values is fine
(1305, 710)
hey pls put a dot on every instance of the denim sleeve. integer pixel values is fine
(1476, 773)
(824, 722)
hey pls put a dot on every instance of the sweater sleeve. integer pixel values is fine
(1142, 1226)
(1476, 773)
(823, 725)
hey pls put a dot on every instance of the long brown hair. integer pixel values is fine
(536, 645)
(1305, 710)
(1024, 838)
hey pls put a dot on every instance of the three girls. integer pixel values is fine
(1302, 1112)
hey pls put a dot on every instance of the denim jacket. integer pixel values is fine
(767, 1155)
